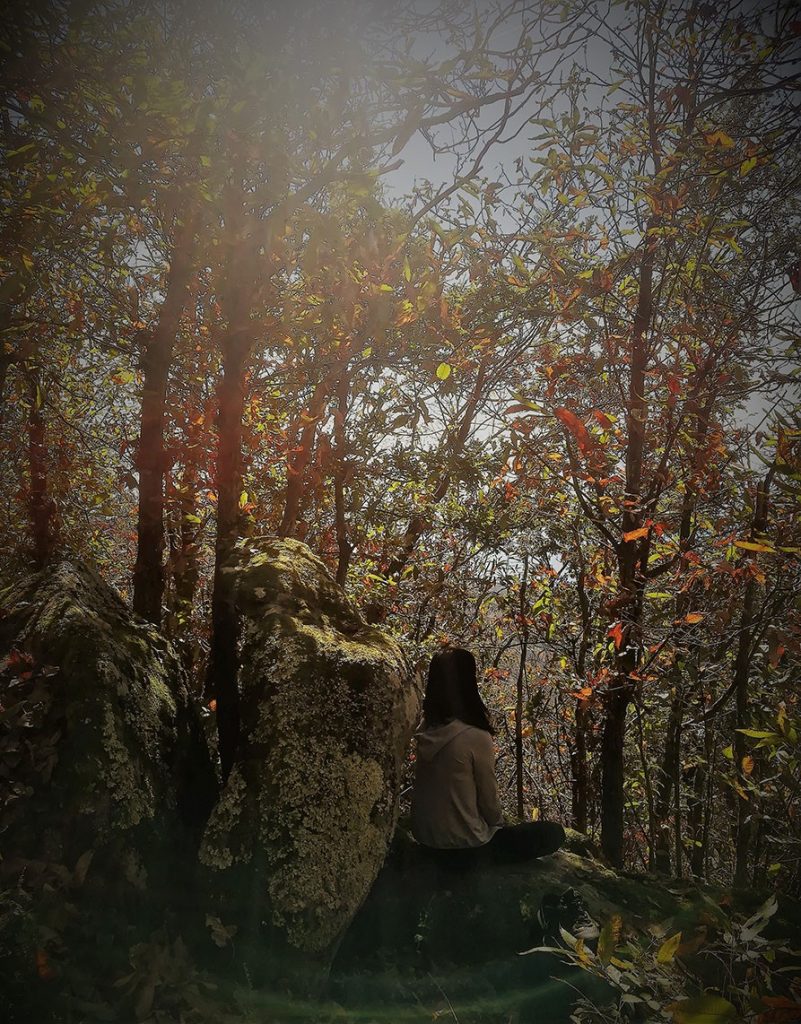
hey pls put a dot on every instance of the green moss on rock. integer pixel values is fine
(328, 705)
(98, 727)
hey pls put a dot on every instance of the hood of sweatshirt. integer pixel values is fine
(431, 741)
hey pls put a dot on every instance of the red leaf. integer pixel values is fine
(575, 426)
(616, 633)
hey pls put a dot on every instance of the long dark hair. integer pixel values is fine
(452, 691)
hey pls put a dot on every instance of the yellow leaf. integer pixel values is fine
(720, 138)
(443, 371)
(747, 165)
(751, 545)
(667, 950)
(609, 938)
(702, 1010)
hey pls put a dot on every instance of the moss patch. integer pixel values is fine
(327, 707)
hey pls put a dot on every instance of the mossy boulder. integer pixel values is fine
(327, 708)
(100, 750)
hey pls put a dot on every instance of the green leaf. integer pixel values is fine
(443, 371)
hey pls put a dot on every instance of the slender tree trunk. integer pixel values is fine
(223, 671)
(521, 677)
(156, 362)
(612, 775)
(344, 547)
(578, 757)
(40, 503)
(301, 456)
(184, 561)
(665, 779)
(742, 666)
(580, 795)
(632, 557)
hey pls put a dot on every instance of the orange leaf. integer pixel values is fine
(636, 534)
(748, 764)
(575, 426)
(616, 633)
(212, 705)
(693, 617)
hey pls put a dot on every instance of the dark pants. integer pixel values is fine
(512, 844)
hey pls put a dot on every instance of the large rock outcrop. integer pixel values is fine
(100, 751)
(328, 705)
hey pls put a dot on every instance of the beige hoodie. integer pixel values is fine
(455, 797)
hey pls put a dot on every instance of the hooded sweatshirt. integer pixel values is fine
(455, 797)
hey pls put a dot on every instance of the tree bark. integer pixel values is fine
(632, 556)
(521, 676)
(742, 667)
(578, 757)
(223, 670)
(40, 502)
(150, 460)
(301, 456)
(344, 547)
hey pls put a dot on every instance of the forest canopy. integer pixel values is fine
(495, 308)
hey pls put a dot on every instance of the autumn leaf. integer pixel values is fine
(636, 534)
(609, 938)
(576, 427)
(719, 138)
(752, 545)
(616, 634)
(748, 764)
(443, 371)
(702, 1010)
(693, 617)
(667, 950)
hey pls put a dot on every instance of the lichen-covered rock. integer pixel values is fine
(328, 705)
(99, 747)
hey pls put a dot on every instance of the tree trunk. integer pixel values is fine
(301, 456)
(742, 667)
(40, 503)
(580, 794)
(665, 778)
(222, 678)
(344, 547)
(612, 742)
(632, 557)
(150, 460)
(578, 756)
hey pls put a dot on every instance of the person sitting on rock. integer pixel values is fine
(456, 811)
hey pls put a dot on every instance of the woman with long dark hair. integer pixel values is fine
(455, 804)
